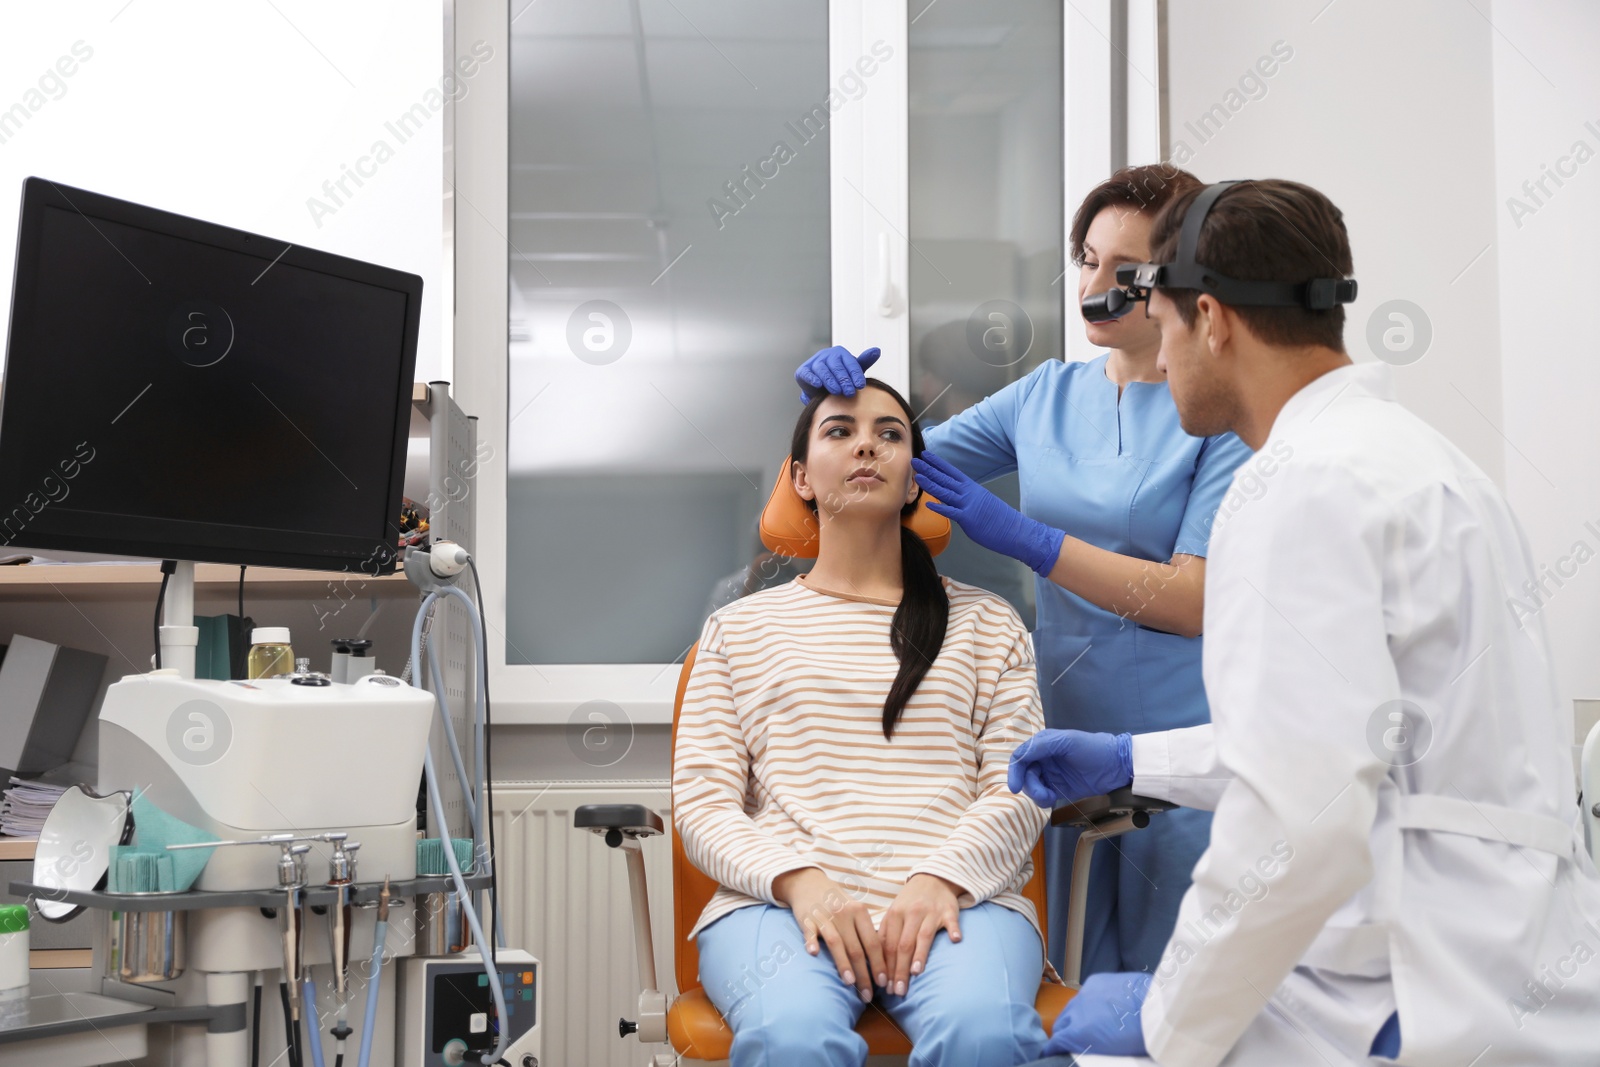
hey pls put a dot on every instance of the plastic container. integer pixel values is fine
(13, 964)
(270, 654)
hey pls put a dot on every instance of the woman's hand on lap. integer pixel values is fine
(825, 910)
(925, 906)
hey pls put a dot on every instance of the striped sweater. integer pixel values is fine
(781, 763)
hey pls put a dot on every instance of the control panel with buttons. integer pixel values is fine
(450, 1012)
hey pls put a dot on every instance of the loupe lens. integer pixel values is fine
(1107, 306)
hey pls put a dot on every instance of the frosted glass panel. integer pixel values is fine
(669, 269)
(986, 222)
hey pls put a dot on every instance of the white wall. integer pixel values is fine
(1387, 109)
(1546, 101)
(237, 113)
(1421, 120)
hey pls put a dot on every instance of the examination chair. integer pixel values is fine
(691, 1022)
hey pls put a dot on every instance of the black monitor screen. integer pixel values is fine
(179, 389)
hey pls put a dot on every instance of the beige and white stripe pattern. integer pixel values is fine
(781, 762)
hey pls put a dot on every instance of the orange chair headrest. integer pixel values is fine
(790, 528)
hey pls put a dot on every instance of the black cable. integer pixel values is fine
(488, 764)
(255, 1030)
(169, 567)
(290, 1031)
(241, 593)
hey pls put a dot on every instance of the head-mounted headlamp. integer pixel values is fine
(1136, 280)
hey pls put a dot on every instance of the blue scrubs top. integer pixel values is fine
(1121, 475)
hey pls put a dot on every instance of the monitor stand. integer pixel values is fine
(179, 635)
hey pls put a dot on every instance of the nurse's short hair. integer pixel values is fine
(1147, 188)
(1269, 230)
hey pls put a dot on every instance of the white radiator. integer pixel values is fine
(564, 898)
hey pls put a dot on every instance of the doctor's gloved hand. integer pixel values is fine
(985, 518)
(834, 370)
(1054, 766)
(1104, 1017)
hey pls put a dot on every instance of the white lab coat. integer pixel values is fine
(1359, 560)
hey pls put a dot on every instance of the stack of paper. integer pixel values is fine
(25, 805)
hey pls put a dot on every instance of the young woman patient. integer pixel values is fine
(840, 771)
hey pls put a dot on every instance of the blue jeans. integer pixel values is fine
(971, 1007)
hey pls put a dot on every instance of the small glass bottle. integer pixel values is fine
(13, 965)
(270, 654)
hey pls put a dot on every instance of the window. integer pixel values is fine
(985, 189)
(669, 267)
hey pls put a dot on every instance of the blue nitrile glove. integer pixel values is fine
(1054, 766)
(1104, 1017)
(836, 371)
(985, 518)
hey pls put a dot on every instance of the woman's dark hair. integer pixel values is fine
(917, 631)
(1147, 188)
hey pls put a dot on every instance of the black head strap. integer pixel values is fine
(1186, 272)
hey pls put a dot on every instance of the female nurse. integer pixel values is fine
(1117, 502)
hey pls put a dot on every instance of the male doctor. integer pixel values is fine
(1396, 871)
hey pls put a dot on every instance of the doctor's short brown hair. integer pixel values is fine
(1269, 230)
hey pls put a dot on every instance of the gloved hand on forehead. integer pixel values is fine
(834, 370)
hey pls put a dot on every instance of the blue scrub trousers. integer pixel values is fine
(971, 1007)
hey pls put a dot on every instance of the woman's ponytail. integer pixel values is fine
(917, 631)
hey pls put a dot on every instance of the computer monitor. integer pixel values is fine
(178, 389)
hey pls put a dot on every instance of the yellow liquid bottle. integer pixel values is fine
(270, 654)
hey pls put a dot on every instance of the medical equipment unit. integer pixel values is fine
(446, 1006)
(156, 366)
(691, 1022)
(1135, 280)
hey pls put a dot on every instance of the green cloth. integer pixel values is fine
(213, 656)
(430, 856)
(140, 869)
(154, 829)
